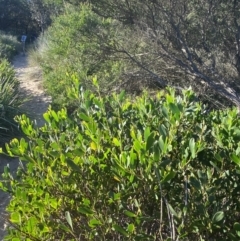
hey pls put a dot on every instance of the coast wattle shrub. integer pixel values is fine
(152, 168)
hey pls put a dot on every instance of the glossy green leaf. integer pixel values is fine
(65, 228)
(195, 183)
(173, 212)
(15, 217)
(74, 167)
(46, 117)
(192, 147)
(174, 109)
(168, 176)
(120, 230)
(157, 152)
(130, 214)
(131, 228)
(236, 227)
(163, 131)
(55, 116)
(116, 142)
(69, 219)
(85, 210)
(150, 141)
(122, 95)
(161, 144)
(84, 117)
(165, 112)
(94, 223)
(137, 145)
(236, 159)
(147, 133)
(32, 224)
(218, 216)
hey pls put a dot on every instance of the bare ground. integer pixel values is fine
(36, 105)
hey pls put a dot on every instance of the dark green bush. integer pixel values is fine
(10, 101)
(9, 46)
(156, 168)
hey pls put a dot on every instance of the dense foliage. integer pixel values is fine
(177, 43)
(154, 168)
(194, 42)
(10, 101)
(9, 46)
(23, 16)
(158, 43)
(107, 166)
(74, 44)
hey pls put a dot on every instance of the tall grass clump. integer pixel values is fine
(37, 50)
(10, 101)
(9, 46)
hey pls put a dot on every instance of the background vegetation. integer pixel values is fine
(10, 102)
(73, 45)
(9, 46)
(161, 43)
(144, 164)
(22, 16)
(151, 44)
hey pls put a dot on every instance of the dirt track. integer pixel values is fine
(37, 104)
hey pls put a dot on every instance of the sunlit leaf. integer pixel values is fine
(120, 230)
(192, 147)
(93, 146)
(218, 216)
(84, 117)
(236, 159)
(130, 214)
(116, 142)
(94, 223)
(131, 228)
(15, 217)
(69, 219)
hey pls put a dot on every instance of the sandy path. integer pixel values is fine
(31, 86)
(37, 104)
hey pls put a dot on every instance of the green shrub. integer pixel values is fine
(10, 101)
(9, 46)
(77, 42)
(158, 168)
